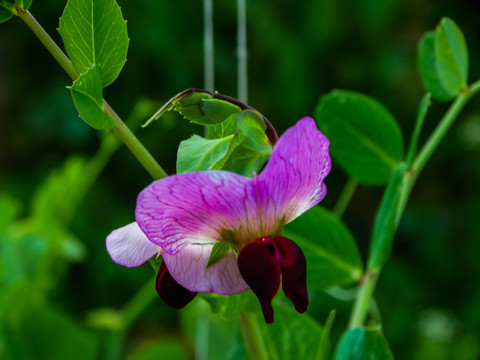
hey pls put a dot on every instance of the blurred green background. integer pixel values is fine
(56, 277)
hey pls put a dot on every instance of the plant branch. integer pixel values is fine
(253, 337)
(119, 127)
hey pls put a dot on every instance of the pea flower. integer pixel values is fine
(183, 216)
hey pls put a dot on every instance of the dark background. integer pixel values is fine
(428, 294)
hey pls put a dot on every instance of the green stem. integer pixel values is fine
(242, 50)
(253, 337)
(131, 310)
(432, 143)
(345, 197)
(209, 62)
(362, 302)
(135, 146)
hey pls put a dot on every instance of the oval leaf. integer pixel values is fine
(95, 33)
(332, 255)
(451, 56)
(88, 99)
(6, 11)
(363, 344)
(428, 70)
(365, 139)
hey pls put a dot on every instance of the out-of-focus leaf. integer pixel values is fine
(330, 249)
(365, 139)
(197, 153)
(164, 350)
(443, 61)
(230, 306)
(6, 12)
(95, 33)
(9, 209)
(363, 344)
(452, 56)
(323, 352)
(88, 98)
(291, 336)
(32, 337)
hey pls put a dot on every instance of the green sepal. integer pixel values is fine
(219, 251)
(87, 95)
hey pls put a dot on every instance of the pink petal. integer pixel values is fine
(292, 181)
(210, 206)
(198, 208)
(187, 267)
(128, 246)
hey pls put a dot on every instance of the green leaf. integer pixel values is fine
(291, 336)
(219, 251)
(6, 11)
(224, 129)
(201, 108)
(88, 98)
(428, 69)
(452, 56)
(198, 154)
(219, 110)
(443, 61)
(31, 336)
(250, 148)
(230, 306)
(363, 344)
(364, 137)
(9, 209)
(384, 225)
(95, 33)
(170, 349)
(332, 255)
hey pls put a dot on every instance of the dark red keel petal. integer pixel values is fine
(259, 266)
(294, 272)
(174, 294)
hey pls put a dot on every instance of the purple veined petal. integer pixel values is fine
(174, 294)
(292, 181)
(187, 267)
(294, 272)
(259, 265)
(199, 208)
(128, 246)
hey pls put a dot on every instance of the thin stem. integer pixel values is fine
(131, 311)
(362, 302)
(135, 146)
(345, 197)
(432, 143)
(242, 50)
(365, 293)
(253, 337)
(209, 62)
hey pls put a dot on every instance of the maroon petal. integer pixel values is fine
(174, 294)
(259, 266)
(294, 272)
